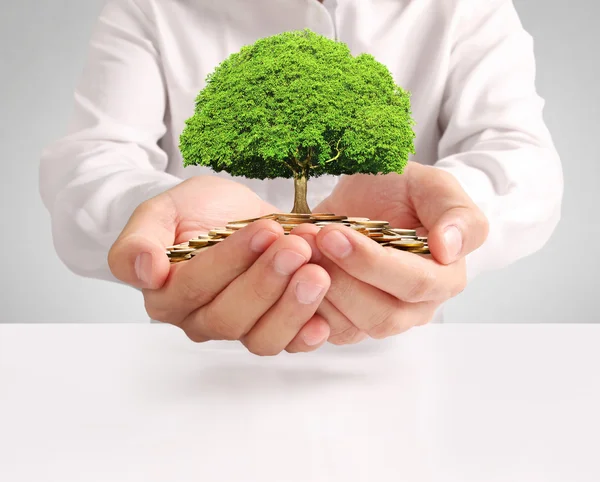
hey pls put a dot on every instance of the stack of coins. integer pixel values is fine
(378, 231)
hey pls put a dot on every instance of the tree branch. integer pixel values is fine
(339, 152)
(289, 167)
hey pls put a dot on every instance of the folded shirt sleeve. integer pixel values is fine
(494, 139)
(109, 161)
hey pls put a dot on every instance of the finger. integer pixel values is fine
(406, 276)
(198, 281)
(309, 232)
(367, 308)
(371, 311)
(311, 337)
(280, 325)
(455, 223)
(235, 310)
(343, 331)
(138, 255)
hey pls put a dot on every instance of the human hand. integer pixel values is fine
(380, 291)
(256, 286)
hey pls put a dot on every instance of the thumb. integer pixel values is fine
(456, 226)
(138, 255)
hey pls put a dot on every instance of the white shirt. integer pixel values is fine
(468, 64)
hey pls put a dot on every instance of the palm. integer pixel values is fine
(203, 203)
(382, 197)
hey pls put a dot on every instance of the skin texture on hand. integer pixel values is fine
(256, 287)
(380, 292)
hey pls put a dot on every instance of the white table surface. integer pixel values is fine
(140, 403)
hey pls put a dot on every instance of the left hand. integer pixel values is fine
(381, 292)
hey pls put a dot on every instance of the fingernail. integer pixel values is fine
(312, 340)
(287, 261)
(143, 268)
(262, 240)
(308, 293)
(336, 244)
(453, 241)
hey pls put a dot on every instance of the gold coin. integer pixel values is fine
(214, 241)
(236, 226)
(423, 250)
(403, 232)
(322, 224)
(386, 238)
(357, 220)
(289, 220)
(328, 217)
(182, 257)
(289, 227)
(180, 251)
(174, 248)
(375, 224)
(220, 232)
(292, 215)
(244, 221)
(407, 243)
(198, 243)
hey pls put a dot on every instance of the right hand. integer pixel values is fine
(256, 286)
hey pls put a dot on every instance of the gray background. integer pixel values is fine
(42, 51)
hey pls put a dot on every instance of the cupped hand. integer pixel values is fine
(256, 286)
(380, 291)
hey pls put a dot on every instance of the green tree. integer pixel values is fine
(299, 105)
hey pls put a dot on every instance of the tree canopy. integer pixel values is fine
(298, 104)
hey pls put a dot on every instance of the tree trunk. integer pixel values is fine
(300, 188)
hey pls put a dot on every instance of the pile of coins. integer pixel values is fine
(378, 231)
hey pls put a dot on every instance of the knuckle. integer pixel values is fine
(382, 330)
(346, 336)
(393, 325)
(191, 290)
(222, 328)
(194, 335)
(342, 288)
(262, 291)
(262, 350)
(380, 316)
(156, 312)
(389, 323)
(422, 286)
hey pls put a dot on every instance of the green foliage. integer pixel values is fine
(299, 104)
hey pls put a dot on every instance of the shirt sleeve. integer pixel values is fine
(494, 139)
(109, 161)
